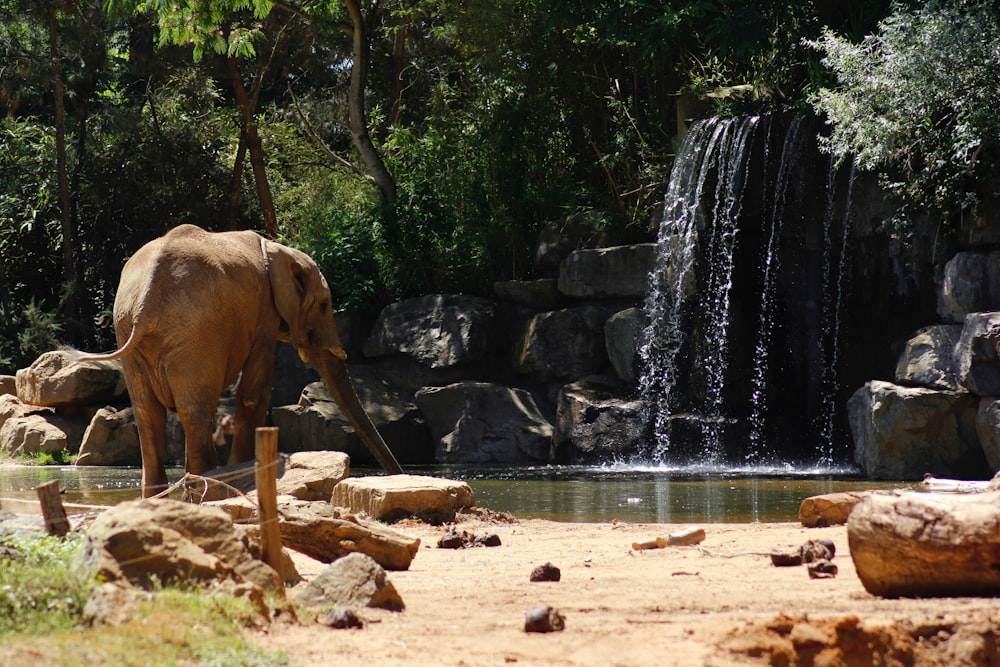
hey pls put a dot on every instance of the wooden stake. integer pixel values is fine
(267, 496)
(53, 511)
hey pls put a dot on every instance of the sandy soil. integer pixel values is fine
(719, 603)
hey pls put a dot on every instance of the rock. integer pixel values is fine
(438, 330)
(563, 344)
(988, 430)
(112, 439)
(622, 335)
(540, 294)
(55, 379)
(978, 365)
(312, 475)
(618, 272)
(29, 435)
(454, 540)
(686, 537)
(487, 540)
(344, 618)
(316, 423)
(928, 359)
(111, 604)
(8, 385)
(822, 569)
(292, 375)
(583, 229)
(829, 509)
(391, 497)
(161, 540)
(353, 581)
(786, 557)
(971, 284)
(477, 422)
(451, 540)
(11, 406)
(901, 433)
(328, 538)
(545, 572)
(817, 550)
(544, 619)
(927, 544)
(595, 425)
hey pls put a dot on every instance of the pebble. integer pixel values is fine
(547, 572)
(544, 619)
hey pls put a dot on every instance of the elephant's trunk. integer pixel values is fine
(333, 371)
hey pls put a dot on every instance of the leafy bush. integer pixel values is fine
(917, 102)
(25, 333)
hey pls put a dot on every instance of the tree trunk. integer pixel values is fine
(927, 544)
(357, 117)
(256, 150)
(69, 305)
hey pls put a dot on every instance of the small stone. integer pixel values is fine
(544, 619)
(786, 557)
(450, 540)
(546, 572)
(487, 540)
(686, 537)
(822, 569)
(814, 550)
(342, 618)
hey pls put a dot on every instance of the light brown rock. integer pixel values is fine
(927, 544)
(391, 497)
(829, 509)
(313, 475)
(55, 379)
(353, 581)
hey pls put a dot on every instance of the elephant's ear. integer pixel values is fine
(287, 274)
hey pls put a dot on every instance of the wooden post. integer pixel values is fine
(56, 522)
(267, 496)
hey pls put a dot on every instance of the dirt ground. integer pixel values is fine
(718, 603)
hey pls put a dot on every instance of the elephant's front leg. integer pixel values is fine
(253, 396)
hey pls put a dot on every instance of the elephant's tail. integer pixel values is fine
(123, 351)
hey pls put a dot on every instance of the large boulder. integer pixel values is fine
(391, 497)
(112, 439)
(8, 385)
(903, 433)
(928, 360)
(31, 434)
(478, 422)
(622, 336)
(438, 330)
(57, 379)
(162, 540)
(978, 365)
(971, 284)
(619, 272)
(563, 344)
(596, 425)
(313, 475)
(988, 430)
(355, 580)
(316, 422)
(542, 294)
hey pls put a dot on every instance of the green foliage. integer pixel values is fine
(25, 333)
(59, 458)
(39, 592)
(916, 103)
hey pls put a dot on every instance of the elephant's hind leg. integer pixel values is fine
(151, 422)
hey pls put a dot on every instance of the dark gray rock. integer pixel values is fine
(971, 284)
(619, 272)
(594, 424)
(584, 229)
(438, 330)
(903, 433)
(563, 344)
(977, 362)
(540, 294)
(477, 422)
(928, 360)
(988, 430)
(622, 337)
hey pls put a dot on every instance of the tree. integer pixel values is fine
(916, 102)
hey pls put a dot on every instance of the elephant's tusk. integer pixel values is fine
(338, 352)
(303, 354)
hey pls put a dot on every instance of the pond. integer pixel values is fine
(558, 493)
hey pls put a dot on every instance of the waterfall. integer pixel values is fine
(770, 266)
(713, 149)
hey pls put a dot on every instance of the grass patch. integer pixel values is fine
(41, 617)
(59, 458)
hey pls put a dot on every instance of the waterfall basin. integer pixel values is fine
(584, 494)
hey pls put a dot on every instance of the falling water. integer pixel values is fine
(791, 151)
(719, 148)
(834, 286)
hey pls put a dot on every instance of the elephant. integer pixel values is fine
(195, 310)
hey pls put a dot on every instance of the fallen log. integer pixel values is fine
(327, 539)
(927, 544)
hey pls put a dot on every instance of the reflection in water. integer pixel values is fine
(566, 493)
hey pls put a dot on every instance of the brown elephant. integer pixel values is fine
(196, 309)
